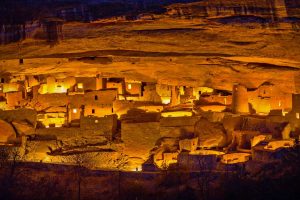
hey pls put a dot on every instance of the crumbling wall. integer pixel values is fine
(215, 116)
(90, 83)
(14, 99)
(134, 88)
(23, 114)
(197, 162)
(217, 99)
(122, 106)
(210, 134)
(107, 125)
(251, 123)
(49, 100)
(177, 126)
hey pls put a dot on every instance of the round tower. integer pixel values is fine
(239, 99)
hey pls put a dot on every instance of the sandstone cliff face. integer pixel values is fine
(271, 10)
(192, 52)
(11, 33)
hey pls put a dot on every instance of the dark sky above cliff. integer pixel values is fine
(19, 11)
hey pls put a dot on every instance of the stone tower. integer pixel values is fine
(239, 99)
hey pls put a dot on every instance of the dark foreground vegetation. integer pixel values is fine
(21, 180)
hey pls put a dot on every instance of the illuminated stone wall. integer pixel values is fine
(19, 115)
(267, 98)
(121, 107)
(177, 126)
(239, 99)
(54, 85)
(254, 123)
(90, 83)
(97, 103)
(47, 120)
(133, 88)
(107, 124)
(48, 100)
(139, 138)
(150, 94)
(10, 87)
(164, 91)
(225, 100)
(14, 99)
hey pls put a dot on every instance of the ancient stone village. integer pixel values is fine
(133, 125)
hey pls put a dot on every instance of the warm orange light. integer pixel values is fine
(284, 113)
(214, 108)
(165, 100)
(177, 114)
(273, 145)
(207, 152)
(80, 86)
(233, 158)
(136, 168)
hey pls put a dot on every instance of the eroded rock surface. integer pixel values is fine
(7, 133)
(210, 134)
(209, 54)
